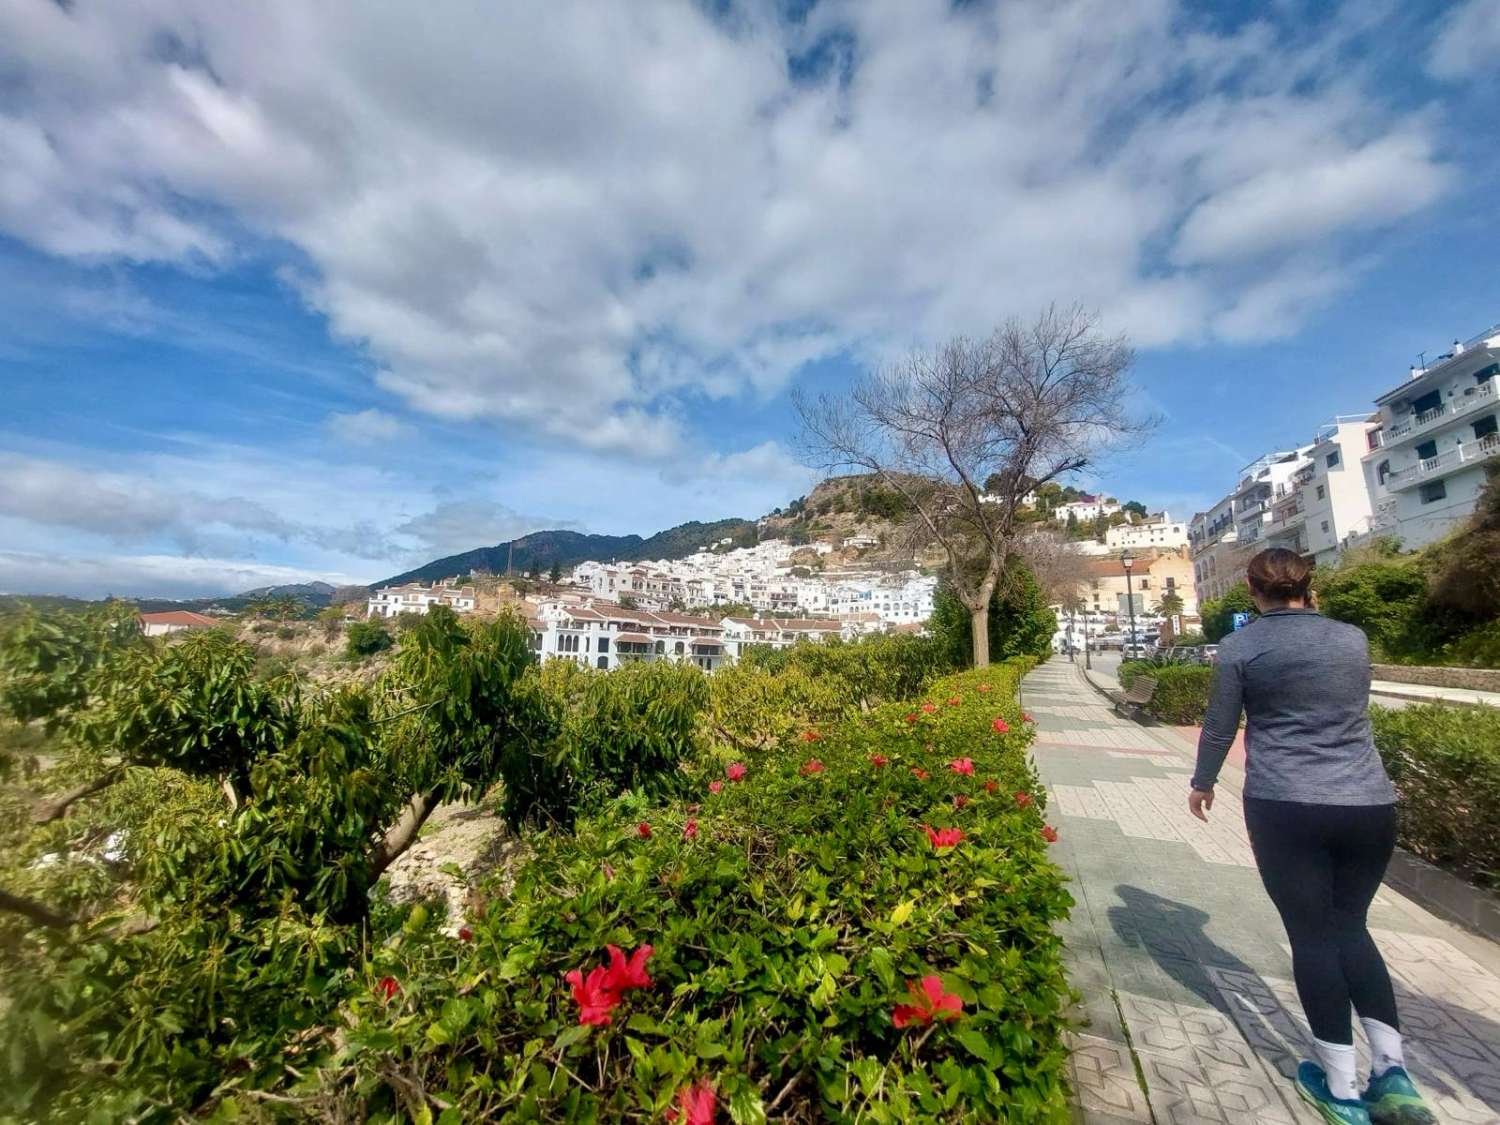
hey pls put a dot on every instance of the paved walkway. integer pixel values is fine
(1181, 960)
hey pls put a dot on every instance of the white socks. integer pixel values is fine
(1385, 1046)
(1338, 1062)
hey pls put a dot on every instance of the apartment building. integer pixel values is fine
(1213, 544)
(413, 597)
(1325, 503)
(1437, 442)
(1153, 575)
(605, 635)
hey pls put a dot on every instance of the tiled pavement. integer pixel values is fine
(1188, 1010)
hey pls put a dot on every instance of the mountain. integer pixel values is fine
(303, 591)
(539, 550)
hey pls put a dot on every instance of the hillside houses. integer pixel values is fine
(413, 597)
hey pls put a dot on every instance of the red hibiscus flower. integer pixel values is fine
(911, 718)
(1049, 833)
(930, 1003)
(919, 773)
(1026, 718)
(810, 736)
(812, 766)
(984, 687)
(627, 974)
(943, 837)
(1001, 726)
(465, 934)
(690, 830)
(991, 785)
(695, 1105)
(879, 760)
(594, 994)
(929, 707)
(715, 786)
(960, 801)
(964, 766)
(1023, 798)
(387, 988)
(955, 700)
(643, 830)
(735, 772)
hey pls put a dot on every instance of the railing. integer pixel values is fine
(1467, 453)
(1304, 475)
(1472, 398)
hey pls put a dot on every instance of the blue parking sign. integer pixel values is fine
(1240, 620)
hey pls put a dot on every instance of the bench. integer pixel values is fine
(1142, 688)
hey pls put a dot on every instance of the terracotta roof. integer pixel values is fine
(634, 638)
(179, 617)
(789, 624)
(706, 642)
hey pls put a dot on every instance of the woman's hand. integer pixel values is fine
(1199, 801)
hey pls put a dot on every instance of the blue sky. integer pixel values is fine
(291, 292)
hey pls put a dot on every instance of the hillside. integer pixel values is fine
(539, 550)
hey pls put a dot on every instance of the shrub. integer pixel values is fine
(1445, 762)
(786, 924)
(1218, 613)
(366, 638)
(1020, 621)
(1182, 690)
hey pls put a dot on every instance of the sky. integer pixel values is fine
(295, 291)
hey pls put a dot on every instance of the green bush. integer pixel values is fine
(1020, 621)
(1218, 613)
(1182, 690)
(786, 925)
(1445, 762)
(366, 638)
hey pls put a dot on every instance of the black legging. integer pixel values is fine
(1322, 865)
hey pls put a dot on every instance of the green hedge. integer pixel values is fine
(785, 932)
(1445, 761)
(1182, 690)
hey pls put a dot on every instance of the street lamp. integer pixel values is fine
(1127, 560)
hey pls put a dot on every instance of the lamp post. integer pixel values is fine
(1127, 560)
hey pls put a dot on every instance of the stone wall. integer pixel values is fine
(1477, 679)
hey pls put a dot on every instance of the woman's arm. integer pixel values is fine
(1220, 724)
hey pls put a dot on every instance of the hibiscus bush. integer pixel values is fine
(860, 926)
(1445, 762)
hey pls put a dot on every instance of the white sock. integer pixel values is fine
(1385, 1046)
(1339, 1063)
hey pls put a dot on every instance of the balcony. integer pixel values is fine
(1304, 475)
(1446, 463)
(1288, 515)
(1475, 397)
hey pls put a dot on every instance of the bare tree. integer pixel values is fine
(966, 430)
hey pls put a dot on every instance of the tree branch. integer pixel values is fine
(49, 809)
(403, 833)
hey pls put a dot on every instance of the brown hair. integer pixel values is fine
(1280, 575)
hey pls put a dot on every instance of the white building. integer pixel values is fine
(605, 635)
(413, 597)
(1437, 443)
(1218, 559)
(174, 621)
(1325, 502)
(1158, 531)
(1086, 508)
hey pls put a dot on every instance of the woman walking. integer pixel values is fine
(1321, 815)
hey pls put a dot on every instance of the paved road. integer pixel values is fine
(1174, 942)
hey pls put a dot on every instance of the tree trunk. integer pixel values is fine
(979, 628)
(39, 913)
(401, 834)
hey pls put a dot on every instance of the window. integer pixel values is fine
(1322, 492)
(1383, 470)
(1332, 459)
(1485, 374)
(1325, 525)
(1485, 426)
(1426, 450)
(1427, 402)
(1433, 491)
(603, 646)
(603, 662)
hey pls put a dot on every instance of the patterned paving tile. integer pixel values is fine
(1105, 1080)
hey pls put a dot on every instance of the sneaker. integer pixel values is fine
(1312, 1085)
(1393, 1100)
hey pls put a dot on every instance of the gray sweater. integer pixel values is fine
(1303, 682)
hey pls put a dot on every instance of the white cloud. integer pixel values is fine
(366, 427)
(1469, 41)
(151, 576)
(573, 216)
